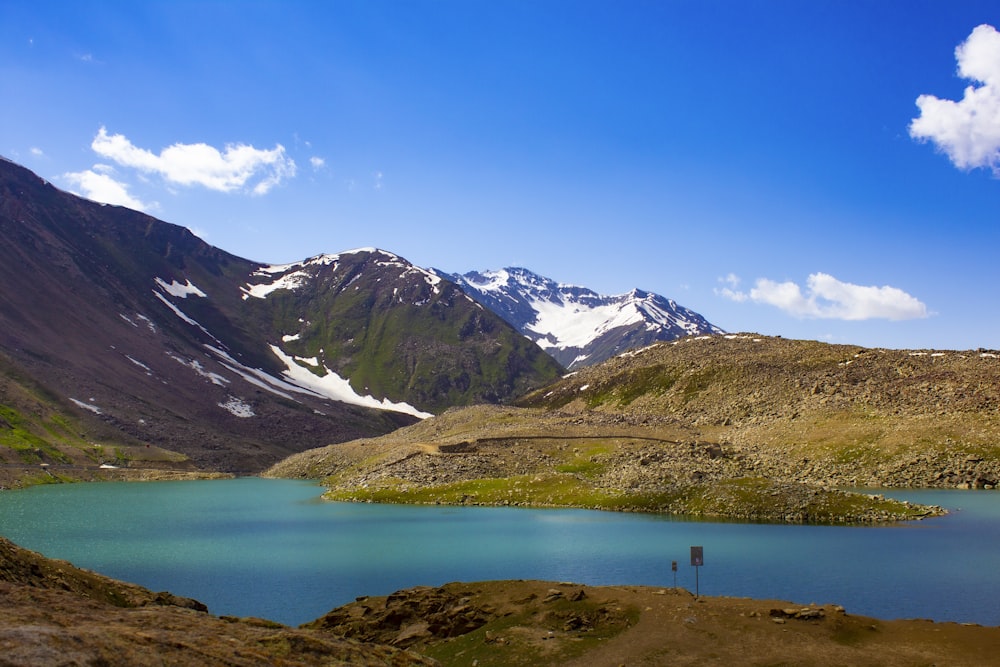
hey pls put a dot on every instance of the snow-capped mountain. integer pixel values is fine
(575, 325)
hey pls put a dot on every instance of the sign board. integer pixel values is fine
(697, 556)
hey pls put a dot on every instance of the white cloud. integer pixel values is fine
(968, 131)
(731, 290)
(37, 152)
(232, 169)
(825, 297)
(98, 185)
(317, 162)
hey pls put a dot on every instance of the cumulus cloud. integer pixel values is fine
(237, 167)
(825, 297)
(968, 131)
(97, 184)
(317, 162)
(730, 288)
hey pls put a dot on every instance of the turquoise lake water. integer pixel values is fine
(273, 549)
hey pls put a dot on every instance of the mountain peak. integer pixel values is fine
(576, 325)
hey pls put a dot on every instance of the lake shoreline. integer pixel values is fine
(504, 622)
(751, 500)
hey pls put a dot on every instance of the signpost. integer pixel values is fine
(697, 560)
(673, 567)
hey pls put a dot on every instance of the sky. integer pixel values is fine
(824, 170)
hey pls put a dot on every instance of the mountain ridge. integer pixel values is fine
(575, 324)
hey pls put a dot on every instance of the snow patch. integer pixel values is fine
(179, 290)
(149, 322)
(139, 364)
(195, 365)
(237, 407)
(332, 386)
(87, 406)
(255, 376)
(563, 326)
(289, 281)
(291, 276)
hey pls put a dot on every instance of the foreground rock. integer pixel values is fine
(52, 613)
(543, 623)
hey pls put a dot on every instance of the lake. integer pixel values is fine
(273, 549)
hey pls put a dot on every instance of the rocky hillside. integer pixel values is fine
(736, 426)
(535, 458)
(128, 341)
(56, 614)
(805, 410)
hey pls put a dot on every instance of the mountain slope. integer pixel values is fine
(395, 330)
(577, 326)
(120, 332)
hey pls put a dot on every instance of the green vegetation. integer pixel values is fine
(541, 490)
(753, 499)
(19, 434)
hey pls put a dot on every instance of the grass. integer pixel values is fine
(19, 436)
(539, 490)
(753, 499)
(45, 478)
(631, 385)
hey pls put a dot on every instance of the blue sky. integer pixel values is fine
(765, 163)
